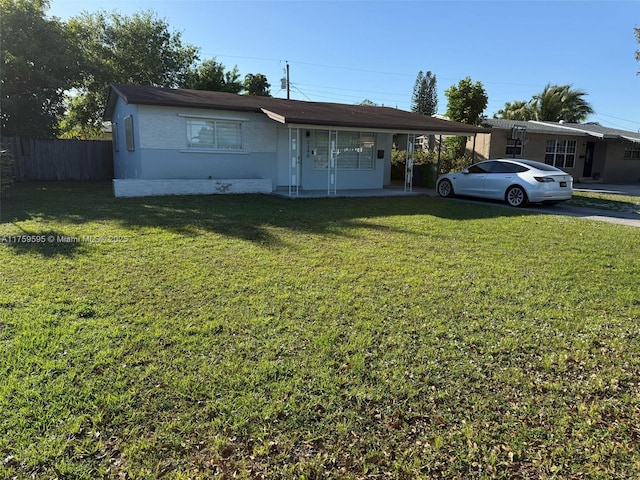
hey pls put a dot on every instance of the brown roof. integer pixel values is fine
(291, 112)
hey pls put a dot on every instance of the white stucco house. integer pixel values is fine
(176, 141)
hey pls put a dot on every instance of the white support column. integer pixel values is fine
(332, 168)
(408, 169)
(294, 170)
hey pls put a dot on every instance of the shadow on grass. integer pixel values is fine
(246, 217)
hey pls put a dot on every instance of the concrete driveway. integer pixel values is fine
(611, 216)
(632, 189)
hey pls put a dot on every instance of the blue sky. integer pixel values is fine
(347, 51)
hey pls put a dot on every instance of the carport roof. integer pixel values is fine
(291, 112)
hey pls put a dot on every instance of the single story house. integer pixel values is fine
(177, 141)
(589, 152)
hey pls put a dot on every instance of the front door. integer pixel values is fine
(588, 159)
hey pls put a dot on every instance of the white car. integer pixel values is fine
(515, 181)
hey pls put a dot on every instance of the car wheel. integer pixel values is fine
(516, 196)
(445, 189)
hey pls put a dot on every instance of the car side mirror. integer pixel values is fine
(465, 171)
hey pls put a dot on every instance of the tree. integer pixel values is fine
(38, 65)
(553, 104)
(256, 85)
(637, 32)
(559, 102)
(467, 102)
(518, 110)
(138, 49)
(425, 96)
(210, 75)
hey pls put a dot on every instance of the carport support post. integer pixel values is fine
(294, 170)
(439, 155)
(408, 169)
(473, 151)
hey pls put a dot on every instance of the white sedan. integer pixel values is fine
(515, 181)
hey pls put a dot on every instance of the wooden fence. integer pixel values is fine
(38, 159)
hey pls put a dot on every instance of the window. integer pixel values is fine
(128, 133)
(632, 151)
(354, 150)
(484, 167)
(504, 167)
(561, 153)
(514, 147)
(214, 134)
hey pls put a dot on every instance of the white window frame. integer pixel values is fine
(216, 124)
(632, 151)
(561, 153)
(362, 163)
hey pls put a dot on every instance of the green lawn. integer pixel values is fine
(259, 337)
(606, 201)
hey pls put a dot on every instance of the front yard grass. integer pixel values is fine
(606, 201)
(259, 337)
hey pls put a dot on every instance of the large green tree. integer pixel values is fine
(211, 75)
(38, 64)
(466, 104)
(637, 32)
(560, 102)
(553, 104)
(518, 110)
(138, 49)
(256, 84)
(425, 96)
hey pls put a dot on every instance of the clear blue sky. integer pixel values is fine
(347, 51)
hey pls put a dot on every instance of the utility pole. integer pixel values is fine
(284, 82)
(288, 89)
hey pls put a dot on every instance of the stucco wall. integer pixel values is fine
(126, 164)
(317, 179)
(617, 169)
(609, 164)
(161, 151)
(145, 188)
(162, 142)
(535, 147)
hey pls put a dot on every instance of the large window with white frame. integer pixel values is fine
(561, 153)
(213, 134)
(354, 150)
(632, 151)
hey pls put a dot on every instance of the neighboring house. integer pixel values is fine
(589, 152)
(188, 141)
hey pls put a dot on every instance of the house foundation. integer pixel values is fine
(146, 188)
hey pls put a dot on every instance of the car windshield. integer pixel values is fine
(540, 166)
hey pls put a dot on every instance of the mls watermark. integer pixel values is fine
(42, 239)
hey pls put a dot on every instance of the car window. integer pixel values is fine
(504, 167)
(540, 166)
(483, 167)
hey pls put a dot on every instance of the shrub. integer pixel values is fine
(449, 164)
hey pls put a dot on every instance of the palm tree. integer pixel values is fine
(559, 102)
(553, 104)
(518, 110)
